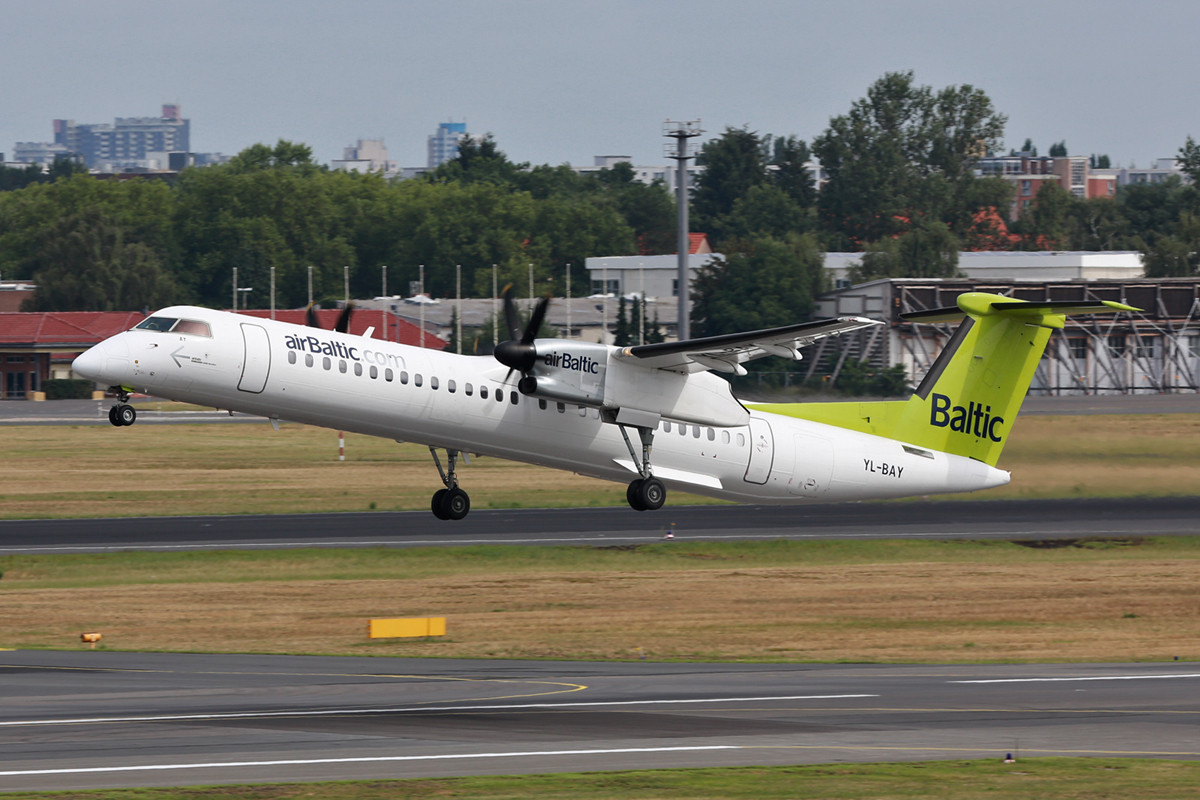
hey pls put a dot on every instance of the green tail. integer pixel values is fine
(968, 401)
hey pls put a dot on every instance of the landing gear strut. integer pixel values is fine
(122, 414)
(451, 502)
(646, 493)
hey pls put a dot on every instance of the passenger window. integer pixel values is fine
(325, 362)
(404, 376)
(450, 387)
(695, 431)
(468, 389)
(417, 379)
(291, 356)
(433, 382)
(541, 404)
(741, 440)
(341, 366)
(583, 411)
(513, 397)
(374, 372)
(562, 408)
(308, 359)
(499, 395)
(666, 427)
(483, 392)
(683, 430)
(712, 435)
(387, 374)
(724, 437)
(357, 368)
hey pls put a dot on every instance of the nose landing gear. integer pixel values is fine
(122, 414)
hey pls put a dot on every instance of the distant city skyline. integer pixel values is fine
(563, 82)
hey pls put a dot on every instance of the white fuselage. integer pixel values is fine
(471, 404)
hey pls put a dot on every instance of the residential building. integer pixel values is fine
(1029, 172)
(125, 143)
(443, 145)
(368, 155)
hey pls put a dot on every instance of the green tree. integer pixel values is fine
(1046, 225)
(734, 162)
(758, 283)
(1189, 160)
(91, 265)
(1058, 150)
(925, 251)
(882, 155)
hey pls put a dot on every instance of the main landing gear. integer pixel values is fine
(646, 493)
(451, 502)
(122, 414)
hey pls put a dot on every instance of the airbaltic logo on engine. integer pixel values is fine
(974, 418)
(573, 363)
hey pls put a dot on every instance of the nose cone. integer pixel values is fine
(106, 361)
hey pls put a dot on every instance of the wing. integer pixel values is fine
(728, 353)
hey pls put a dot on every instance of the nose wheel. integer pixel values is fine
(646, 494)
(122, 414)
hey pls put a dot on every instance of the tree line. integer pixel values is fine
(900, 186)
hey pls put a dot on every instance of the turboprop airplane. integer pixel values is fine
(600, 410)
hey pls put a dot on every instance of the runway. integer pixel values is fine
(95, 719)
(1034, 520)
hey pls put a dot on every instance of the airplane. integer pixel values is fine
(601, 410)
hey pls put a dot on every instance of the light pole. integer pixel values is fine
(681, 132)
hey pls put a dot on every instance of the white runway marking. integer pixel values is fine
(361, 760)
(1090, 678)
(337, 712)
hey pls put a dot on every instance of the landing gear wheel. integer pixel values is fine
(122, 415)
(438, 505)
(456, 503)
(633, 495)
(646, 494)
(112, 417)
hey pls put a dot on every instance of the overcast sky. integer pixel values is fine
(560, 81)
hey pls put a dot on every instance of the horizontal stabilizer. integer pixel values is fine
(982, 305)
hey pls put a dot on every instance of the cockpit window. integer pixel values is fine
(174, 325)
(157, 323)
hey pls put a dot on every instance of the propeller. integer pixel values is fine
(518, 351)
(343, 321)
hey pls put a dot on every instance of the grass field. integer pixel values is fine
(88, 471)
(779, 601)
(1059, 778)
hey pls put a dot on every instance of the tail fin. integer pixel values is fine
(967, 402)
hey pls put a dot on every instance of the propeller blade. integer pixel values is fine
(511, 319)
(535, 320)
(310, 317)
(343, 322)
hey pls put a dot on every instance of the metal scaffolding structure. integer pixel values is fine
(1155, 350)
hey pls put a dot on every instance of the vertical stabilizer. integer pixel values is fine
(969, 399)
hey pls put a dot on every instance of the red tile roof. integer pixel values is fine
(82, 329)
(64, 328)
(698, 243)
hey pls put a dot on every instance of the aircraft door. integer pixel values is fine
(762, 451)
(813, 467)
(257, 361)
